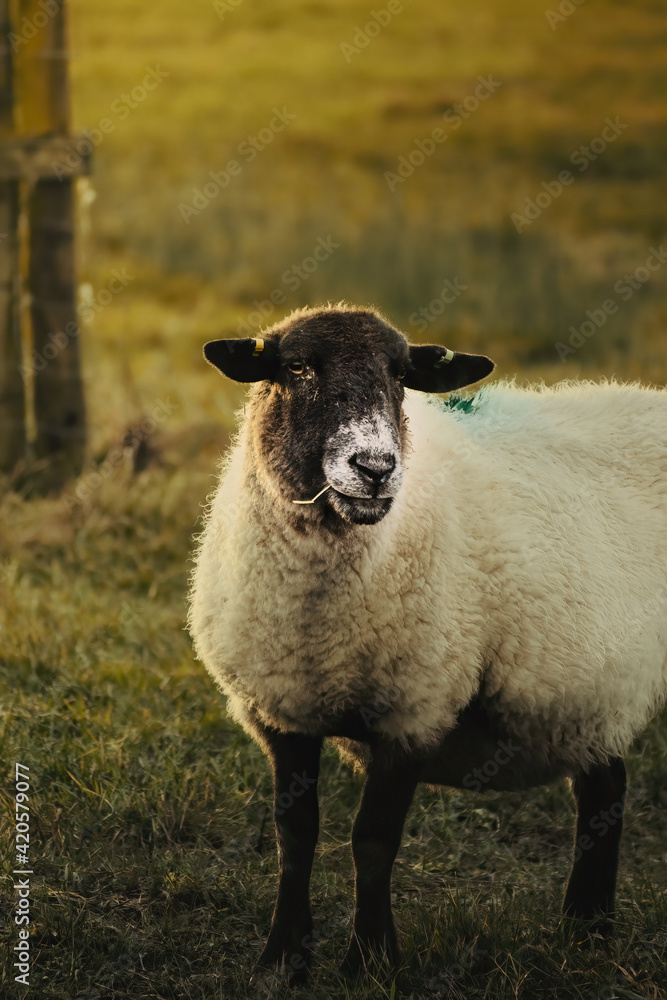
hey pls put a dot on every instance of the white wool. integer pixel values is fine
(525, 558)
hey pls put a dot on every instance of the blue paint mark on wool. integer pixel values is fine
(458, 403)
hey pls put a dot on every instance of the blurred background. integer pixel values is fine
(492, 176)
(360, 101)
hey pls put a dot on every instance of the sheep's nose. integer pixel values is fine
(373, 468)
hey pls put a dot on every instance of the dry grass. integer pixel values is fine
(324, 174)
(147, 802)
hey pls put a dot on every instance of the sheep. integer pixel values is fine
(464, 593)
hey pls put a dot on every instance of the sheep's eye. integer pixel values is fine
(402, 373)
(297, 367)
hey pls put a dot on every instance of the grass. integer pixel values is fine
(324, 173)
(147, 802)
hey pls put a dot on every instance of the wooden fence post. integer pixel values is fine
(12, 389)
(43, 97)
(38, 163)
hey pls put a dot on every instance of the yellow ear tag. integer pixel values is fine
(259, 347)
(445, 359)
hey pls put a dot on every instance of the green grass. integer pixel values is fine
(324, 174)
(147, 802)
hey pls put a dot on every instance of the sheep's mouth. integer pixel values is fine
(359, 510)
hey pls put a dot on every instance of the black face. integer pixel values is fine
(332, 414)
(327, 414)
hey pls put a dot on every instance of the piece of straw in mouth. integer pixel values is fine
(327, 487)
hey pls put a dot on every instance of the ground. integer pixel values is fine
(153, 854)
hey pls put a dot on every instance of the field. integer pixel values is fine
(153, 853)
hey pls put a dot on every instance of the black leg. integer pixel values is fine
(296, 761)
(376, 836)
(600, 801)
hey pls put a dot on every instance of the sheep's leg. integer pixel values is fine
(376, 836)
(296, 762)
(600, 800)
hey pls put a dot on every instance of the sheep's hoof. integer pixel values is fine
(293, 977)
(586, 920)
(362, 955)
(286, 953)
(353, 964)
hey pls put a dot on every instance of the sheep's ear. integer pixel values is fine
(247, 360)
(435, 369)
